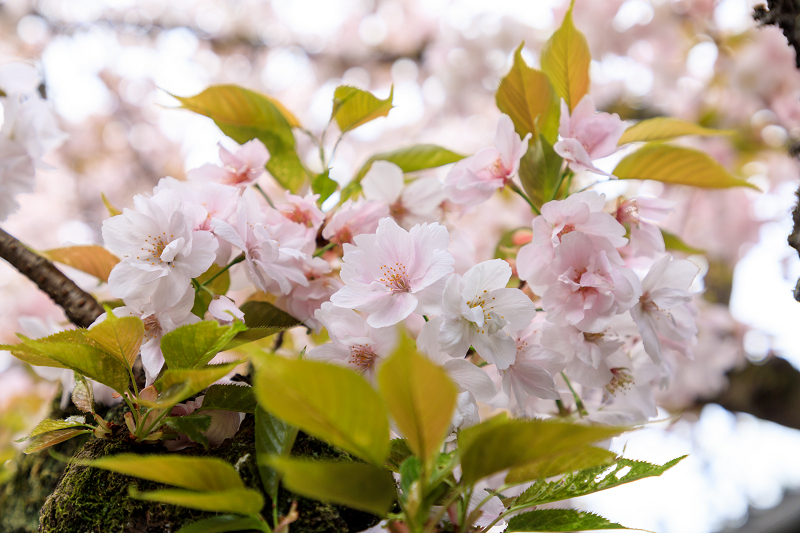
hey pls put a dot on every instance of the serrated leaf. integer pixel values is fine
(329, 402)
(588, 457)
(590, 480)
(357, 485)
(516, 443)
(83, 394)
(193, 426)
(239, 398)
(274, 437)
(398, 452)
(242, 501)
(539, 170)
(262, 320)
(677, 165)
(177, 385)
(664, 129)
(421, 399)
(560, 520)
(47, 425)
(194, 473)
(224, 524)
(565, 60)
(353, 107)
(673, 242)
(92, 259)
(52, 438)
(194, 345)
(244, 115)
(525, 95)
(323, 185)
(120, 337)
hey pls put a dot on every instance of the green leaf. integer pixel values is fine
(323, 185)
(244, 115)
(421, 399)
(224, 524)
(587, 458)
(262, 319)
(87, 360)
(239, 398)
(112, 211)
(353, 107)
(673, 242)
(120, 337)
(539, 171)
(193, 426)
(677, 165)
(47, 425)
(329, 402)
(560, 520)
(194, 473)
(83, 394)
(28, 351)
(468, 435)
(52, 438)
(274, 437)
(194, 345)
(94, 260)
(356, 485)
(177, 385)
(525, 95)
(664, 129)
(242, 501)
(398, 452)
(565, 60)
(517, 443)
(410, 471)
(220, 285)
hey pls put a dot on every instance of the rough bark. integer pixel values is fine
(782, 13)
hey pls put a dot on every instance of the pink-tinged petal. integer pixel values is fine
(484, 277)
(471, 378)
(454, 337)
(498, 349)
(152, 359)
(527, 378)
(564, 129)
(209, 173)
(367, 301)
(451, 297)
(224, 425)
(667, 298)
(679, 274)
(430, 299)
(331, 353)
(383, 182)
(428, 341)
(513, 305)
(647, 329)
(397, 308)
(224, 310)
(227, 232)
(604, 225)
(577, 156)
(647, 239)
(253, 153)
(130, 281)
(383, 340)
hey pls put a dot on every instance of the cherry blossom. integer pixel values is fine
(475, 179)
(533, 368)
(587, 135)
(224, 424)
(241, 169)
(415, 203)
(641, 213)
(479, 311)
(302, 210)
(354, 218)
(225, 311)
(303, 301)
(585, 353)
(394, 272)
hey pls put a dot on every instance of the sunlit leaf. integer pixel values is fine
(239, 398)
(121, 337)
(588, 457)
(565, 60)
(194, 345)
(664, 129)
(274, 437)
(177, 385)
(92, 259)
(54, 437)
(193, 426)
(539, 170)
(224, 524)
(353, 107)
(560, 520)
(83, 394)
(242, 501)
(219, 285)
(262, 320)
(329, 402)
(525, 95)
(47, 425)
(421, 399)
(677, 165)
(673, 242)
(323, 185)
(356, 485)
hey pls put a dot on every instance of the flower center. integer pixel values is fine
(568, 228)
(154, 248)
(395, 278)
(151, 327)
(362, 357)
(621, 380)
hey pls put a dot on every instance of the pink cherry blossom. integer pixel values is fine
(354, 218)
(416, 203)
(585, 353)
(225, 311)
(354, 342)
(303, 301)
(662, 308)
(475, 179)
(302, 210)
(240, 169)
(587, 135)
(533, 368)
(224, 424)
(641, 213)
(160, 249)
(480, 311)
(394, 272)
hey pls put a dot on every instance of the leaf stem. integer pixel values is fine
(264, 194)
(324, 249)
(561, 177)
(578, 403)
(199, 287)
(236, 260)
(513, 186)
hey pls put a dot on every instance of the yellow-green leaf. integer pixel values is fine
(220, 285)
(329, 402)
(92, 259)
(539, 171)
(561, 520)
(262, 320)
(323, 185)
(54, 437)
(224, 524)
(177, 385)
(526, 95)
(588, 457)
(194, 345)
(677, 165)
(121, 337)
(112, 211)
(664, 129)
(673, 242)
(274, 437)
(353, 107)
(83, 394)
(565, 60)
(47, 425)
(420, 398)
(356, 485)
(241, 501)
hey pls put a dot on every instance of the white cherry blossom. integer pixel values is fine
(416, 203)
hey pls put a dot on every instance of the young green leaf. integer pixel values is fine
(560, 520)
(410, 471)
(588, 457)
(47, 425)
(241, 501)
(353, 107)
(244, 115)
(421, 399)
(565, 60)
(120, 337)
(398, 452)
(193, 426)
(274, 437)
(263, 319)
(194, 345)
(525, 95)
(239, 398)
(673, 242)
(225, 524)
(356, 485)
(329, 402)
(590, 480)
(83, 394)
(52, 438)
(517, 443)
(220, 285)
(193, 473)
(177, 385)
(677, 165)
(323, 185)
(94, 260)
(664, 129)
(88, 360)
(539, 170)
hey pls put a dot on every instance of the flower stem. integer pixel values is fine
(264, 194)
(238, 259)
(513, 186)
(324, 249)
(578, 403)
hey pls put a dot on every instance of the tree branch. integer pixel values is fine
(79, 306)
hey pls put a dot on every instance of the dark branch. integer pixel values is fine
(79, 306)
(782, 13)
